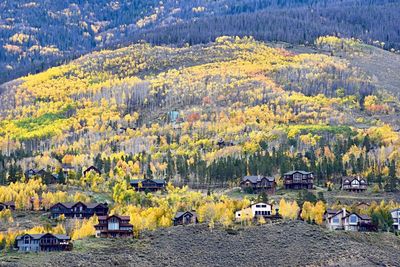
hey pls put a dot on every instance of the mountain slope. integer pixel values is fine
(35, 35)
(215, 111)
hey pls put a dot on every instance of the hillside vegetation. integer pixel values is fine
(35, 35)
(201, 114)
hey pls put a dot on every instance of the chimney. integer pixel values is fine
(344, 212)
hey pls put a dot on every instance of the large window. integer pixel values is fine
(113, 224)
(353, 218)
(335, 220)
(297, 178)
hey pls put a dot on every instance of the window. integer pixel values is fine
(113, 224)
(258, 206)
(263, 206)
(27, 240)
(297, 177)
(353, 218)
(335, 220)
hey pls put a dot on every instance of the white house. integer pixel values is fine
(396, 218)
(257, 209)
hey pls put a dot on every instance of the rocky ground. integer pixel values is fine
(292, 243)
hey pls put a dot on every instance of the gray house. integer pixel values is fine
(43, 242)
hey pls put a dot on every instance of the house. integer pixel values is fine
(396, 218)
(184, 218)
(47, 177)
(361, 206)
(258, 184)
(354, 184)
(91, 169)
(7, 205)
(67, 168)
(150, 185)
(333, 219)
(78, 209)
(43, 242)
(114, 226)
(254, 211)
(298, 180)
(348, 221)
(30, 173)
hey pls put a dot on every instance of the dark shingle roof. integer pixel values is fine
(38, 236)
(302, 172)
(158, 181)
(254, 179)
(106, 217)
(69, 205)
(181, 213)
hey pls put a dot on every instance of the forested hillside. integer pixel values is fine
(35, 35)
(202, 114)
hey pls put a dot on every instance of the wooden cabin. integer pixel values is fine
(258, 184)
(185, 218)
(150, 185)
(298, 180)
(114, 226)
(354, 184)
(78, 209)
(91, 169)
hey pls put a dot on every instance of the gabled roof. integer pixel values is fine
(181, 213)
(302, 172)
(39, 236)
(397, 209)
(70, 205)
(351, 179)
(117, 216)
(332, 213)
(92, 168)
(157, 181)
(255, 179)
(362, 203)
(361, 216)
(8, 203)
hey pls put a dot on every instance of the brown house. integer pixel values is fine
(354, 184)
(184, 218)
(258, 184)
(150, 185)
(91, 169)
(361, 206)
(298, 180)
(114, 226)
(7, 205)
(78, 209)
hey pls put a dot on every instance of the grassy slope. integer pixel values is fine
(283, 244)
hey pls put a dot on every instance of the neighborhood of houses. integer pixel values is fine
(117, 226)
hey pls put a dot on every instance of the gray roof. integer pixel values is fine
(158, 181)
(38, 236)
(362, 216)
(180, 213)
(302, 172)
(255, 179)
(69, 205)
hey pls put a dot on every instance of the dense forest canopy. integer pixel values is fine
(202, 114)
(35, 35)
